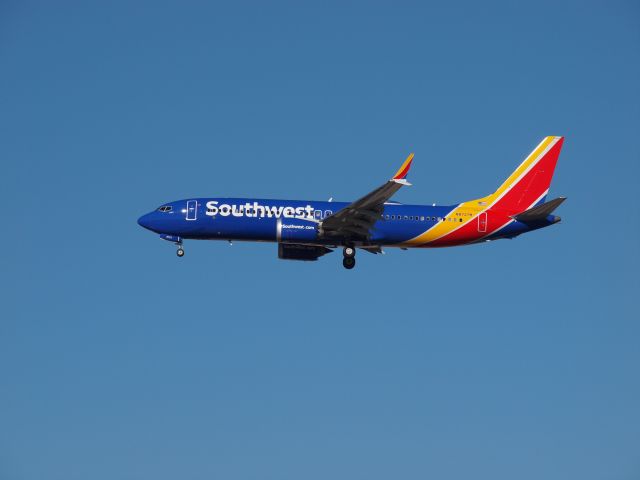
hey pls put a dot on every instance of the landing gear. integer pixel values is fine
(349, 260)
(180, 252)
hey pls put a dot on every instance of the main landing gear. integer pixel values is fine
(349, 260)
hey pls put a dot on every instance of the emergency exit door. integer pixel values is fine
(192, 210)
(482, 222)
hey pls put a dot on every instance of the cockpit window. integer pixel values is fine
(165, 208)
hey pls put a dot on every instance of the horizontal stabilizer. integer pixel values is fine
(540, 212)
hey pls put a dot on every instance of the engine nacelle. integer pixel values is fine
(296, 230)
(292, 251)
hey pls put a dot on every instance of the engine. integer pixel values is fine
(292, 251)
(294, 235)
(296, 230)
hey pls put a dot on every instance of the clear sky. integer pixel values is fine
(515, 359)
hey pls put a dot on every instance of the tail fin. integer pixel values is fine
(528, 185)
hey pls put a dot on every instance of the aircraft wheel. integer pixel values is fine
(180, 252)
(349, 252)
(348, 262)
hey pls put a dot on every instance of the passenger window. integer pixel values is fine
(422, 219)
(460, 219)
(406, 218)
(327, 213)
(386, 217)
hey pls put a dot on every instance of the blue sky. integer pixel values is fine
(516, 359)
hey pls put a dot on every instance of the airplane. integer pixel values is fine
(307, 230)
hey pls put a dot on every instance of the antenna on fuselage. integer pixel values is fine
(331, 199)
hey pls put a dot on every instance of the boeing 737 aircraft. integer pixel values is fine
(307, 230)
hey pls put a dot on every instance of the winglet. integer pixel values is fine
(404, 169)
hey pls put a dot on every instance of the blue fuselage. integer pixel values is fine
(263, 219)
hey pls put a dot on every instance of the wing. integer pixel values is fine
(354, 222)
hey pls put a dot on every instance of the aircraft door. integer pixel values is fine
(192, 210)
(482, 222)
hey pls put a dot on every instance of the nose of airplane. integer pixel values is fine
(145, 221)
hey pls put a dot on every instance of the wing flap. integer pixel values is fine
(375, 249)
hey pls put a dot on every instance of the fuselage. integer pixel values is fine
(300, 221)
(306, 230)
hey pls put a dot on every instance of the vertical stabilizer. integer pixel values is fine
(529, 183)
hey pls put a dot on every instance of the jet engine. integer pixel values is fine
(296, 230)
(293, 251)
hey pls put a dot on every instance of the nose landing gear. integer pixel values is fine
(176, 240)
(349, 260)
(180, 251)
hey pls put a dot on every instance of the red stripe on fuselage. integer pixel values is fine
(470, 231)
